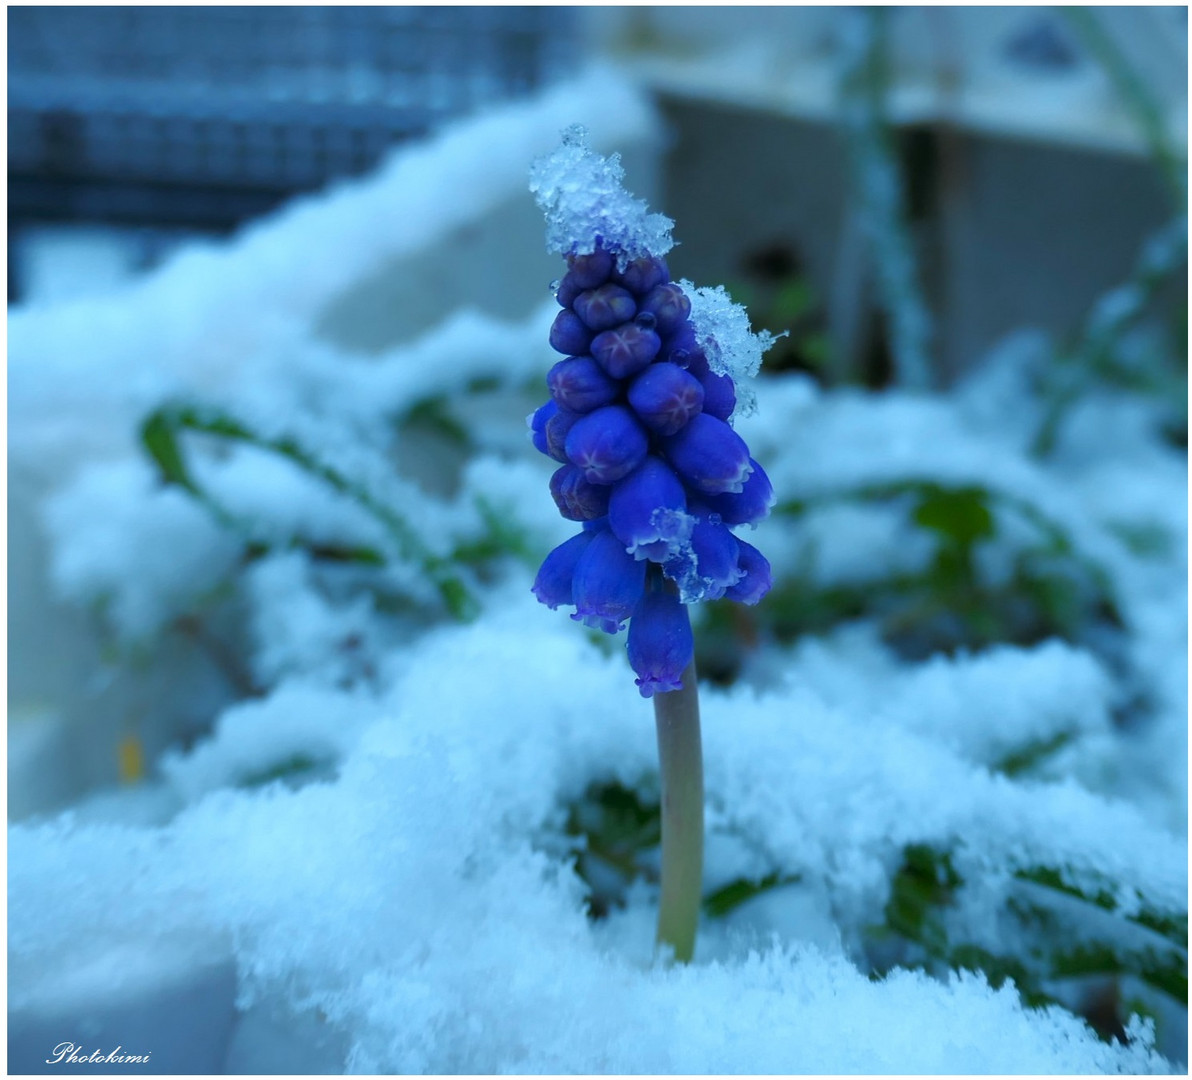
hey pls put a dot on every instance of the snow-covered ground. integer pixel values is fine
(364, 856)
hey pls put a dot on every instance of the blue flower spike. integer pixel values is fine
(641, 417)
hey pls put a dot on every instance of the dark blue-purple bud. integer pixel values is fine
(748, 506)
(567, 291)
(708, 566)
(669, 305)
(757, 578)
(647, 511)
(606, 307)
(709, 455)
(536, 422)
(643, 274)
(557, 428)
(568, 334)
(661, 644)
(590, 271)
(644, 320)
(626, 350)
(608, 583)
(607, 444)
(553, 585)
(720, 395)
(577, 499)
(681, 348)
(581, 385)
(665, 397)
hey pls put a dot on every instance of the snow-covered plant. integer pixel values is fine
(640, 420)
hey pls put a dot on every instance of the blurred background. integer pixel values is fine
(133, 127)
(1034, 147)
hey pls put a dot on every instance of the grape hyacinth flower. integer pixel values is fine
(640, 419)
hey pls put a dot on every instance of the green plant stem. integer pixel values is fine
(681, 766)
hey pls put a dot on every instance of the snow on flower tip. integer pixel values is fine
(585, 205)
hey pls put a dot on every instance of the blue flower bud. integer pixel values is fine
(709, 455)
(590, 271)
(553, 585)
(750, 505)
(536, 422)
(577, 499)
(708, 566)
(720, 392)
(606, 444)
(681, 348)
(647, 511)
(756, 579)
(581, 385)
(661, 644)
(665, 397)
(720, 395)
(642, 275)
(567, 291)
(626, 350)
(557, 428)
(568, 334)
(669, 305)
(608, 583)
(606, 307)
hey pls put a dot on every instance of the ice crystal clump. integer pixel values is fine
(723, 332)
(581, 195)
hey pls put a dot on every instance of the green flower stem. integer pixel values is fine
(682, 769)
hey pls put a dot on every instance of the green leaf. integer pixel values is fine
(1027, 757)
(435, 413)
(617, 834)
(292, 768)
(1172, 927)
(731, 896)
(924, 884)
(159, 434)
(1168, 974)
(1145, 540)
(960, 515)
(159, 440)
